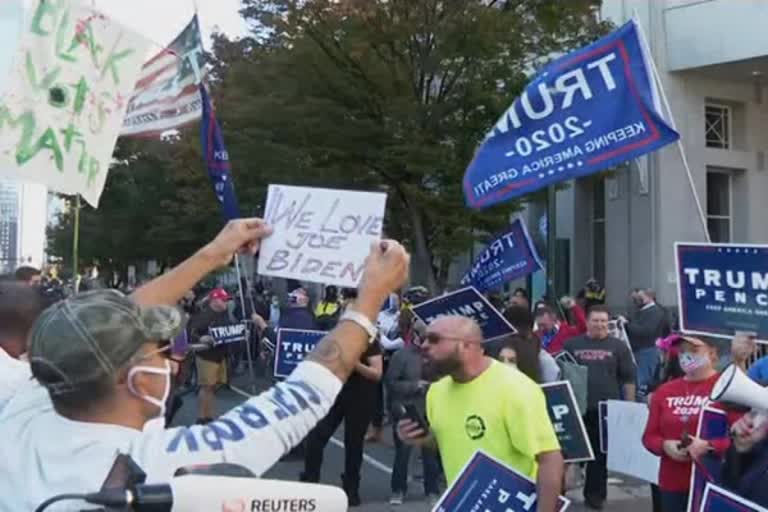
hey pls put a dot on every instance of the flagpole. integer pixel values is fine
(672, 123)
(551, 242)
(76, 243)
(248, 352)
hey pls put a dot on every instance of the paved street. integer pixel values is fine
(623, 496)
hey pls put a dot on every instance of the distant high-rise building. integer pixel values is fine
(23, 219)
(9, 225)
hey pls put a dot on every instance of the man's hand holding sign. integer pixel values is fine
(322, 235)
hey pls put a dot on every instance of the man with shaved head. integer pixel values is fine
(481, 404)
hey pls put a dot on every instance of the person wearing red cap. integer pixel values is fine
(211, 364)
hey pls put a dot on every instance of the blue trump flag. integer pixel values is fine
(508, 257)
(587, 111)
(217, 159)
(722, 288)
(488, 485)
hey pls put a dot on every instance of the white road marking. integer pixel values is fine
(367, 458)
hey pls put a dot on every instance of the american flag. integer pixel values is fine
(167, 95)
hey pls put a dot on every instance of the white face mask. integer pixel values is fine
(159, 403)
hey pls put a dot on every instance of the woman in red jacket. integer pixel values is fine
(673, 420)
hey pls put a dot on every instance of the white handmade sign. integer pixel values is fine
(320, 235)
(65, 98)
(626, 453)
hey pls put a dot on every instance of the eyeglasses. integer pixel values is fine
(165, 349)
(434, 338)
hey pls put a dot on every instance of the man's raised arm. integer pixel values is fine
(386, 270)
(241, 235)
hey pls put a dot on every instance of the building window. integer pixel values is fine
(717, 126)
(719, 206)
(598, 229)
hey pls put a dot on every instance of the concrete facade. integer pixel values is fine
(712, 54)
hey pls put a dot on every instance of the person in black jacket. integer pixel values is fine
(648, 323)
(298, 315)
(211, 363)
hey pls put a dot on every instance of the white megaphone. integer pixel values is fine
(206, 493)
(736, 387)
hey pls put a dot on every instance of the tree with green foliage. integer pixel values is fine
(388, 95)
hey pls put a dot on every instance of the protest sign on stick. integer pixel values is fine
(65, 99)
(470, 303)
(292, 346)
(713, 424)
(722, 288)
(626, 453)
(508, 257)
(567, 422)
(321, 235)
(717, 499)
(226, 334)
(488, 485)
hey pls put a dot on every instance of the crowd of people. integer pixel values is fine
(93, 375)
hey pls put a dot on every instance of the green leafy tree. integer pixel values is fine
(389, 95)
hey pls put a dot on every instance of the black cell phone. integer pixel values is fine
(409, 411)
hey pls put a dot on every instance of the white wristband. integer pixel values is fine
(361, 320)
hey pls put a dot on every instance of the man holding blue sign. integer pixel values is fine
(211, 363)
(482, 404)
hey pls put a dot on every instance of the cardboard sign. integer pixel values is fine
(602, 411)
(292, 346)
(226, 334)
(713, 424)
(320, 235)
(626, 453)
(470, 303)
(488, 485)
(509, 257)
(717, 499)
(65, 98)
(567, 422)
(722, 288)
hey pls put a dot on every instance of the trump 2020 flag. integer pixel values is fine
(510, 256)
(587, 111)
(217, 159)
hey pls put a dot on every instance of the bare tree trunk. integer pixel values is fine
(422, 271)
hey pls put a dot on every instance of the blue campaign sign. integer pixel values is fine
(713, 424)
(292, 346)
(470, 303)
(587, 111)
(717, 499)
(226, 334)
(722, 288)
(486, 484)
(510, 256)
(567, 422)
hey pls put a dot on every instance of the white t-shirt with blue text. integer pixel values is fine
(43, 454)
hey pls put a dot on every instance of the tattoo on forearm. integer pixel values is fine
(329, 354)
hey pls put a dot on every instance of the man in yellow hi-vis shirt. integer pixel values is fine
(482, 404)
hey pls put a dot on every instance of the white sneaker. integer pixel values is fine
(396, 499)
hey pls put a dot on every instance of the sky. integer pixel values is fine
(162, 20)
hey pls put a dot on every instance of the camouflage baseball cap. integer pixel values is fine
(92, 335)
